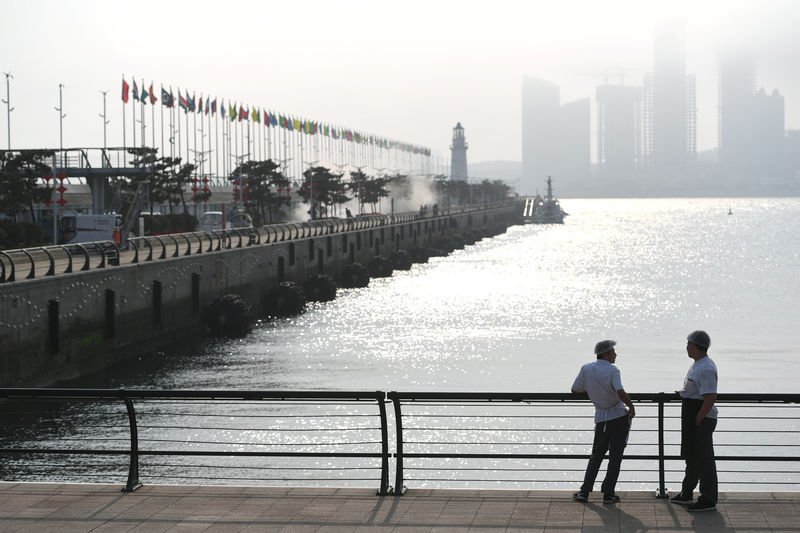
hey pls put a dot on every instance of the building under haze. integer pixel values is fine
(555, 138)
(670, 104)
(750, 123)
(458, 158)
(620, 131)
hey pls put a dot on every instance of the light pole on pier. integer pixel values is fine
(311, 183)
(103, 116)
(9, 109)
(61, 116)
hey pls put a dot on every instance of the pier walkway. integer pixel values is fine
(41, 508)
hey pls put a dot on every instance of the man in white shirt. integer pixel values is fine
(698, 422)
(602, 381)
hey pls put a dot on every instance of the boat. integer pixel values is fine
(547, 210)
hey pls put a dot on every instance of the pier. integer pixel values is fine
(79, 507)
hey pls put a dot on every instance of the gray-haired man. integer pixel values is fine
(602, 381)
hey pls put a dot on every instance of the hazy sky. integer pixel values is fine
(404, 70)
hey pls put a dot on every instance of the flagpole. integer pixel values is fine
(124, 147)
(216, 137)
(141, 114)
(153, 117)
(133, 111)
(194, 132)
(161, 111)
(186, 113)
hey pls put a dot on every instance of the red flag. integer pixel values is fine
(153, 98)
(125, 90)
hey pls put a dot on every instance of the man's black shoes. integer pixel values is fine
(682, 499)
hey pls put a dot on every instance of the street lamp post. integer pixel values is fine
(310, 183)
(9, 109)
(103, 116)
(61, 116)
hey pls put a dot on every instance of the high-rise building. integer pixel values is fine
(672, 136)
(620, 139)
(750, 122)
(458, 159)
(737, 85)
(769, 134)
(555, 138)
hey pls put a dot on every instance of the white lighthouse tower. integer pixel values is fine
(458, 159)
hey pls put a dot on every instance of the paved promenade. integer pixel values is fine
(40, 508)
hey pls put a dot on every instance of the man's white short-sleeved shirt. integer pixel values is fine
(601, 380)
(701, 380)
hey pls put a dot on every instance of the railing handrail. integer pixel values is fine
(295, 231)
(129, 395)
(399, 399)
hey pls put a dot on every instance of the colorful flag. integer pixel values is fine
(296, 124)
(242, 113)
(153, 98)
(273, 119)
(266, 117)
(254, 115)
(222, 107)
(135, 91)
(214, 107)
(232, 111)
(192, 104)
(326, 131)
(125, 89)
(144, 95)
(166, 98)
(182, 102)
(207, 106)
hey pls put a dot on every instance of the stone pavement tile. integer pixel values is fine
(66, 526)
(299, 528)
(261, 528)
(224, 527)
(109, 526)
(336, 528)
(190, 527)
(528, 529)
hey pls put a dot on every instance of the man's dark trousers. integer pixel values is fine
(700, 461)
(611, 437)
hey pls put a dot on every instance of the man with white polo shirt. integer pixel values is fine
(602, 381)
(698, 422)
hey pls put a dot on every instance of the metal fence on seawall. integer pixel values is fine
(373, 439)
(47, 261)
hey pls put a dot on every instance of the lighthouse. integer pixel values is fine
(458, 159)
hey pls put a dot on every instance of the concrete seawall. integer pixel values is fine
(62, 327)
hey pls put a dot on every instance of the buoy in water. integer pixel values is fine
(285, 299)
(320, 288)
(229, 316)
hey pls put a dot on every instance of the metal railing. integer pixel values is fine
(444, 438)
(440, 439)
(324, 437)
(47, 261)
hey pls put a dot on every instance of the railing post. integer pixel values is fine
(399, 488)
(385, 488)
(662, 489)
(133, 470)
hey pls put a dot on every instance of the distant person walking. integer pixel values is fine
(698, 421)
(602, 381)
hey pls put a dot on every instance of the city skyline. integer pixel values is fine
(410, 75)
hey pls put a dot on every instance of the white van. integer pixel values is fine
(74, 227)
(211, 221)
